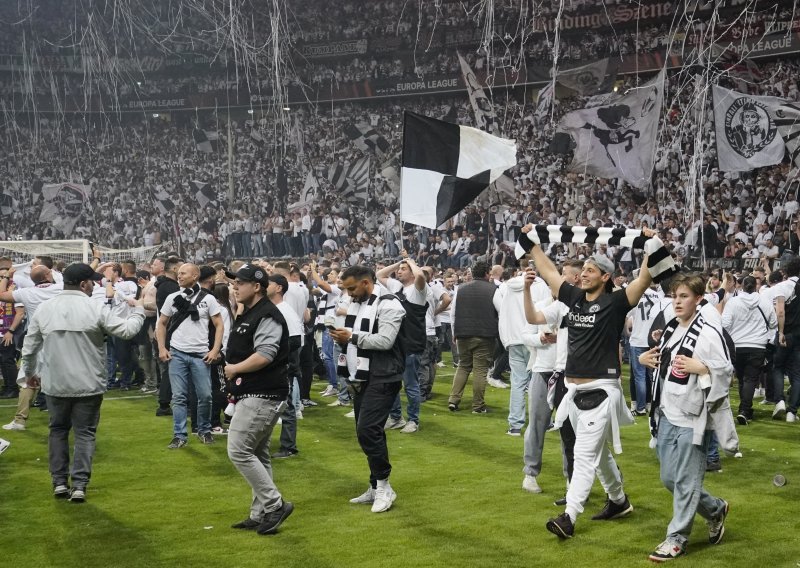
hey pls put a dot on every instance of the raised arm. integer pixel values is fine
(532, 315)
(544, 266)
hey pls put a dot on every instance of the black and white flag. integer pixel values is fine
(445, 166)
(352, 180)
(205, 141)
(163, 201)
(63, 204)
(617, 140)
(747, 136)
(367, 139)
(485, 117)
(204, 193)
(7, 203)
(787, 119)
(659, 261)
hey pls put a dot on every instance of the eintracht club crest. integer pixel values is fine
(749, 127)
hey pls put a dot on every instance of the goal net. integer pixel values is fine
(21, 252)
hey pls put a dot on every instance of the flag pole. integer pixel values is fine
(230, 159)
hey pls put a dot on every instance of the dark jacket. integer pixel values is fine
(475, 315)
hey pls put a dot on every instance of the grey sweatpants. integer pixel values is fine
(538, 421)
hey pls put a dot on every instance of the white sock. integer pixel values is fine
(573, 514)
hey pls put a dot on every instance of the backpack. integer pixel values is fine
(412, 336)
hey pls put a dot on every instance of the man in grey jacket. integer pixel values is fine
(65, 351)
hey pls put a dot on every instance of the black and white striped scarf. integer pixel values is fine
(361, 318)
(660, 263)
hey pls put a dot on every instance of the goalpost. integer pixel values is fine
(69, 251)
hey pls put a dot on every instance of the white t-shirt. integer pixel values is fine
(192, 336)
(412, 294)
(297, 297)
(292, 321)
(642, 316)
(785, 289)
(31, 298)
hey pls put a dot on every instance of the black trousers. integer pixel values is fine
(372, 403)
(8, 366)
(749, 364)
(307, 367)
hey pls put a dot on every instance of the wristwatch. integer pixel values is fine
(354, 339)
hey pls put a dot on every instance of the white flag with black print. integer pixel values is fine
(308, 195)
(787, 119)
(616, 140)
(485, 117)
(747, 136)
(204, 193)
(63, 204)
(585, 79)
(445, 166)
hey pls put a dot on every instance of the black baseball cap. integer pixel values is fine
(206, 272)
(250, 273)
(76, 273)
(281, 281)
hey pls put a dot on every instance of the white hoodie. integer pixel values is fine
(511, 314)
(750, 320)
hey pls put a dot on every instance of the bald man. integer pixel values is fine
(182, 333)
(30, 298)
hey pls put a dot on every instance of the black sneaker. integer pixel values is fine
(741, 419)
(177, 443)
(283, 454)
(481, 410)
(613, 511)
(61, 491)
(560, 502)
(274, 519)
(164, 411)
(452, 407)
(206, 438)
(713, 465)
(716, 527)
(248, 524)
(561, 526)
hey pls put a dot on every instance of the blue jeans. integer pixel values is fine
(683, 468)
(640, 379)
(411, 386)
(182, 369)
(518, 356)
(328, 360)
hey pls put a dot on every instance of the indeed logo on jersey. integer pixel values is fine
(581, 320)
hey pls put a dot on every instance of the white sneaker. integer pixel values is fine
(338, 402)
(298, 414)
(780, 409)
(530, 484)
(351, 414)
(329, 391)
(4, 445)
(384, 497)
(440, 364)
(13, 425)
(394, 423)
(497, 384)
(409, 428)
(365, 498)
(791, 417)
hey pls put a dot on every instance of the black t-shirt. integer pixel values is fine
(164, 287)
(595, 329)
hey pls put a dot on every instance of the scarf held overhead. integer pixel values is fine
(660, 262)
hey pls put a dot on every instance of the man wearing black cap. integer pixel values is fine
(594, 402)
(64, 352)
(257, 373)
